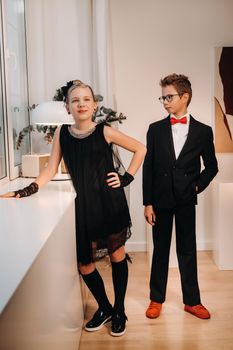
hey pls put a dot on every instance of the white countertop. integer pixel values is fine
(25, 226)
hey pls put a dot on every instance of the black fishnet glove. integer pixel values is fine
(125, 179)
(28, 191)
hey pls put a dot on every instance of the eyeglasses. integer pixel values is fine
(167, 98)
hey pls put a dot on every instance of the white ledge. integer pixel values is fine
(25, 226)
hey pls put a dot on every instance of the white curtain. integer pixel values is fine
(69, 40)
(103, 73)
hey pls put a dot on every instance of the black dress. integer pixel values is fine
(102, 214)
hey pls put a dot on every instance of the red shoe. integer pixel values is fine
(153, 310)
(198, 311)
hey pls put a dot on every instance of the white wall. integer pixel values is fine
(153, 38)
(150, 39)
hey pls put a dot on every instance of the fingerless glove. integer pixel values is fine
(28, 191)
(125, 179)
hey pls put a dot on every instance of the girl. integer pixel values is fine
(102, 215)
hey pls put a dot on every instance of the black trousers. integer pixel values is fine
(185, 222)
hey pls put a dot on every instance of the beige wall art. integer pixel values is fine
(224, 99)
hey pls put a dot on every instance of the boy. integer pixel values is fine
(172, 178)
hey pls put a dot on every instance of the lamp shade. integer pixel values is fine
(51, 113)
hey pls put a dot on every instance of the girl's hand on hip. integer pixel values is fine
(113, 180)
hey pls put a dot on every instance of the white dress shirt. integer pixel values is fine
(179, 134)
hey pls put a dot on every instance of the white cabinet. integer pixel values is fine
(223, 224)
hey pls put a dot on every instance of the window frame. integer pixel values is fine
(6, 178)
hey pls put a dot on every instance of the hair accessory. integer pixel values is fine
(64, 89)
(61, 94)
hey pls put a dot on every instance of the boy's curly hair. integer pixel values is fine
(180, 82)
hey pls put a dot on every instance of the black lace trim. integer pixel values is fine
(27, 191)
(110, 244)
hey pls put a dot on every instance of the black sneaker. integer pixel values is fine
(98, 320)
(118, 324)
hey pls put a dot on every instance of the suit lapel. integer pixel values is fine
(168, 136)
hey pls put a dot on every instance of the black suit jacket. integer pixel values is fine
(168, 181)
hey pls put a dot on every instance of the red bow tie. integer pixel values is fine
(175, 120)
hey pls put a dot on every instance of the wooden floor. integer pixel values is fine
(174, 329)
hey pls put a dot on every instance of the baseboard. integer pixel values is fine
(139, 246)
(205, 245)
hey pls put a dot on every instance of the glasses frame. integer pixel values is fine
(168, 98)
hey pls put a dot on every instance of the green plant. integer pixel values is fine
(48, 130)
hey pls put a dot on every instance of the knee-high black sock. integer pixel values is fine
(120, 279)
(96, 285)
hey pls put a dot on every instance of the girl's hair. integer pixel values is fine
(71, 85)
(180, 82)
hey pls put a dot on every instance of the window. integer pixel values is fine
(14, 82)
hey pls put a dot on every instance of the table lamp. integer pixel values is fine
(51, 113)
